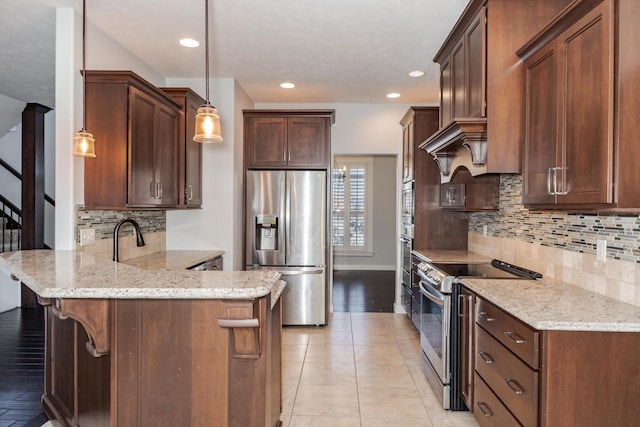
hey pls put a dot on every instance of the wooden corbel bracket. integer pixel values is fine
(95, 317)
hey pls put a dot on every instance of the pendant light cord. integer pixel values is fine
(84, 69)
(206, 41)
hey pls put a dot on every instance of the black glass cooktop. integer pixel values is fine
(496, 269)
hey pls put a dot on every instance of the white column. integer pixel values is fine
(65, 105)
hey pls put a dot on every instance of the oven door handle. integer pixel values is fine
(432, 293)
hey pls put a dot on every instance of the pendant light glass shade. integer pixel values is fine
(207, 125)
(83, 141)
(207, 118)
(83, 144)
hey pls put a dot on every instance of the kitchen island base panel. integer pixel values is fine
(170, 363)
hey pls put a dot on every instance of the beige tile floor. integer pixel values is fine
(361, 370)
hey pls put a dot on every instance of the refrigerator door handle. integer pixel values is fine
(287, 232)
(300, 272)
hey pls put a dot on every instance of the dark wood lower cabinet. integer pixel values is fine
(163, 362)
(552, 378)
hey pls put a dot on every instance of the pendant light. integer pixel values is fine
(207, 118)
(83, 145)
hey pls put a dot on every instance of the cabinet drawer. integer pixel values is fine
(515, 335)
(515, 383)
(488, 410)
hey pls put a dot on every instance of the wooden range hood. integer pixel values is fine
(482, 86)
(462, 143)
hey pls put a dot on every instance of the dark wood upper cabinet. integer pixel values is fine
(580, 120)
(136, 130)
(287, 139)
(417, 124)
(190, 152)
(434, 228)
(482, 86)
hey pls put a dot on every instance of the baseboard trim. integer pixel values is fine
(399, 308)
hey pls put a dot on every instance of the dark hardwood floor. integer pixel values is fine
(363, 291)
(21, 367)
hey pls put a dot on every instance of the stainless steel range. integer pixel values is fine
(439, 326)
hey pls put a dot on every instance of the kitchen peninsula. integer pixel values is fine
(138, 346)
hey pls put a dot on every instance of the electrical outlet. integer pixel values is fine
(601, 250)
(87, 236)
(485, 232)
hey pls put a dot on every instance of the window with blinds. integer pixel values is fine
(352, 194)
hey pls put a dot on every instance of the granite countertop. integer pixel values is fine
(546, 304)
(551, 305)
(71, 274)
(172, 260)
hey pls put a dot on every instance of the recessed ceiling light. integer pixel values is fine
(287, 85)
(393, 95)
(416, 73)
(189, 42)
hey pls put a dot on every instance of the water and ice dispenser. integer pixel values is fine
(266, 232)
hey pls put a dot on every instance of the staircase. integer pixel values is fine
(10, 225)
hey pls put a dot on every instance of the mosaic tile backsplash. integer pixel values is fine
(572, 231)
(104, 221)
(152, 225)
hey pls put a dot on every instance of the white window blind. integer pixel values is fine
(352, 201)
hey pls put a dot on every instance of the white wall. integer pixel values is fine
(102, 52)
(218, 225)
(9, 292)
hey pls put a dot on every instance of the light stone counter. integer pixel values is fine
(172, 260)
(71, 274)
(550, 305)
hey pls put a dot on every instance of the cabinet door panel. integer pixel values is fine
(193, 158)
(141, 134)
(459, 80)
(408, 152)
(587, 142)
(446, 92)
(541, 125)
(307, 142)
(268, 142)
(476, 47)
(166, 155)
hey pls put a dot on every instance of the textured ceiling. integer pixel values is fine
(333, 50)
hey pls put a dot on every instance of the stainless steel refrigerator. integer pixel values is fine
(286, 230)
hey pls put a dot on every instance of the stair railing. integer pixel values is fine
(11, 225)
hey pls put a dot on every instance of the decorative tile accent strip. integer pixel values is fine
(103, 221)
(572, 231)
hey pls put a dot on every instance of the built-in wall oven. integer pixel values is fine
(408, 296)
(439, 324)
(408, 209)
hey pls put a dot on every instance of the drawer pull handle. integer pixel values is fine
(484, 408)
(514, 337)
(514, 386)
(484, 356)
(484, 316)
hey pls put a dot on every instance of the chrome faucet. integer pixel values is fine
(116, 230)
